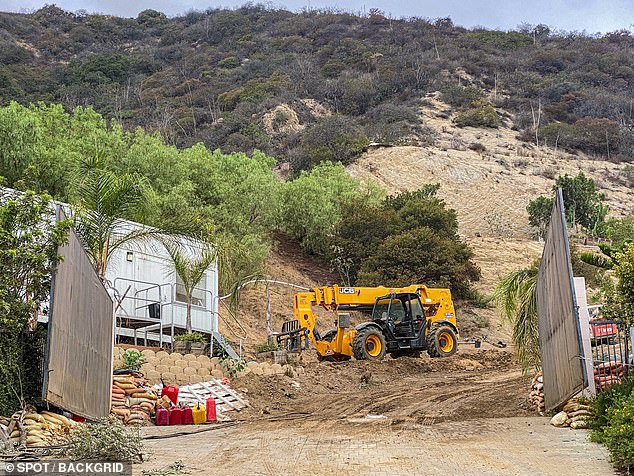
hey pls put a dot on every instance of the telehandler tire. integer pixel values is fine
(369, 344)
(441, 341)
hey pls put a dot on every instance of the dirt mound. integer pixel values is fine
(483, 384)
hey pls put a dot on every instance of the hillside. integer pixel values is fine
(489, 188)
(219, 76)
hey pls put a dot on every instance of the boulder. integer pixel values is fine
(182, 363)
(194, 364)
(176, 370)
(203, 359)
(145, 368)
(148, 353)
(189, 371)
(177, 356)
(253, 364)
(205, 372)
(189, 357)
(277, 369)
(161, 354)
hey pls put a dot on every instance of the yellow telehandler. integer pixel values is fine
(404, 321)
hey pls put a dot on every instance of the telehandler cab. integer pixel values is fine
(404, 321)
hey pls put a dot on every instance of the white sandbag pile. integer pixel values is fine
(574, 414)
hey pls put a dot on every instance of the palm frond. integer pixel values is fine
(515, 294)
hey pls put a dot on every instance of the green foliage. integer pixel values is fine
(407, 238)
(229, 62)
(515, 296)
(507, 40)
(196, 337)
(190, 265)
(539, 212)
(460, 96)
(28, 254)
(133, 359)
(480, 116)
(106, 440)
(312, 204)
(266, 347)
(613, 423)
(232, 367)
(334, 139)
(583, 202)
(623, 304)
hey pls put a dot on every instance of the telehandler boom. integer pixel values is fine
(403, 321)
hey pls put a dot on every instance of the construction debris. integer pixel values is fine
(133, 399)
(31, 429)
(226, 398)
(574, 415)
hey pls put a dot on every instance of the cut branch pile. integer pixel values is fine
(133, 399)
(24, 429)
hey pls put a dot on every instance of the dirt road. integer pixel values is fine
(462, 415)
(509, 446)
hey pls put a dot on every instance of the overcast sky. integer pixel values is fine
(589, 15)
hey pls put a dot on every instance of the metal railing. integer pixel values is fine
(241, 337)
(611, 352)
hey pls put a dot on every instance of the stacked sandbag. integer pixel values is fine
(36, 429)
(574, 414)
(607, 374)
(133, 399)
(536, 397)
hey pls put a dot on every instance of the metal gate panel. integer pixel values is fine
(81, 332)
(559, 333)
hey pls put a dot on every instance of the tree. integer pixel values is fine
(582, 201)
(190, 265)
(29, 240)
(515, 294)
(103, 202)
(539, 212)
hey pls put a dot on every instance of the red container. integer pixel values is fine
(211, 409)
(171, 391)
(176, 416)
(188, 416)
(162, 417)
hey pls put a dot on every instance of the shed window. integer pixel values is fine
(199, 297)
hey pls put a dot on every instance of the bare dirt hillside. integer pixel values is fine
(489, 190)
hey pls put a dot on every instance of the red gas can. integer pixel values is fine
(171, 391)
(188, 416)
(176, 416)
(211, 409)
(162, 416)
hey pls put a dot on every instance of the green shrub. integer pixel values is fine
(267, 347)
(613, 424)
(133, 359)
(229, 62)
(460, 96)
(482, 116)
(196, 337)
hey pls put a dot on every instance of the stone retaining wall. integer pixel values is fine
(178, 369)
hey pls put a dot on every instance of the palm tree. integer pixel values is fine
(103, 203)
(515, 294)
(190, 267)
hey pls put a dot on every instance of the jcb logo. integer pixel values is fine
(346, 290)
